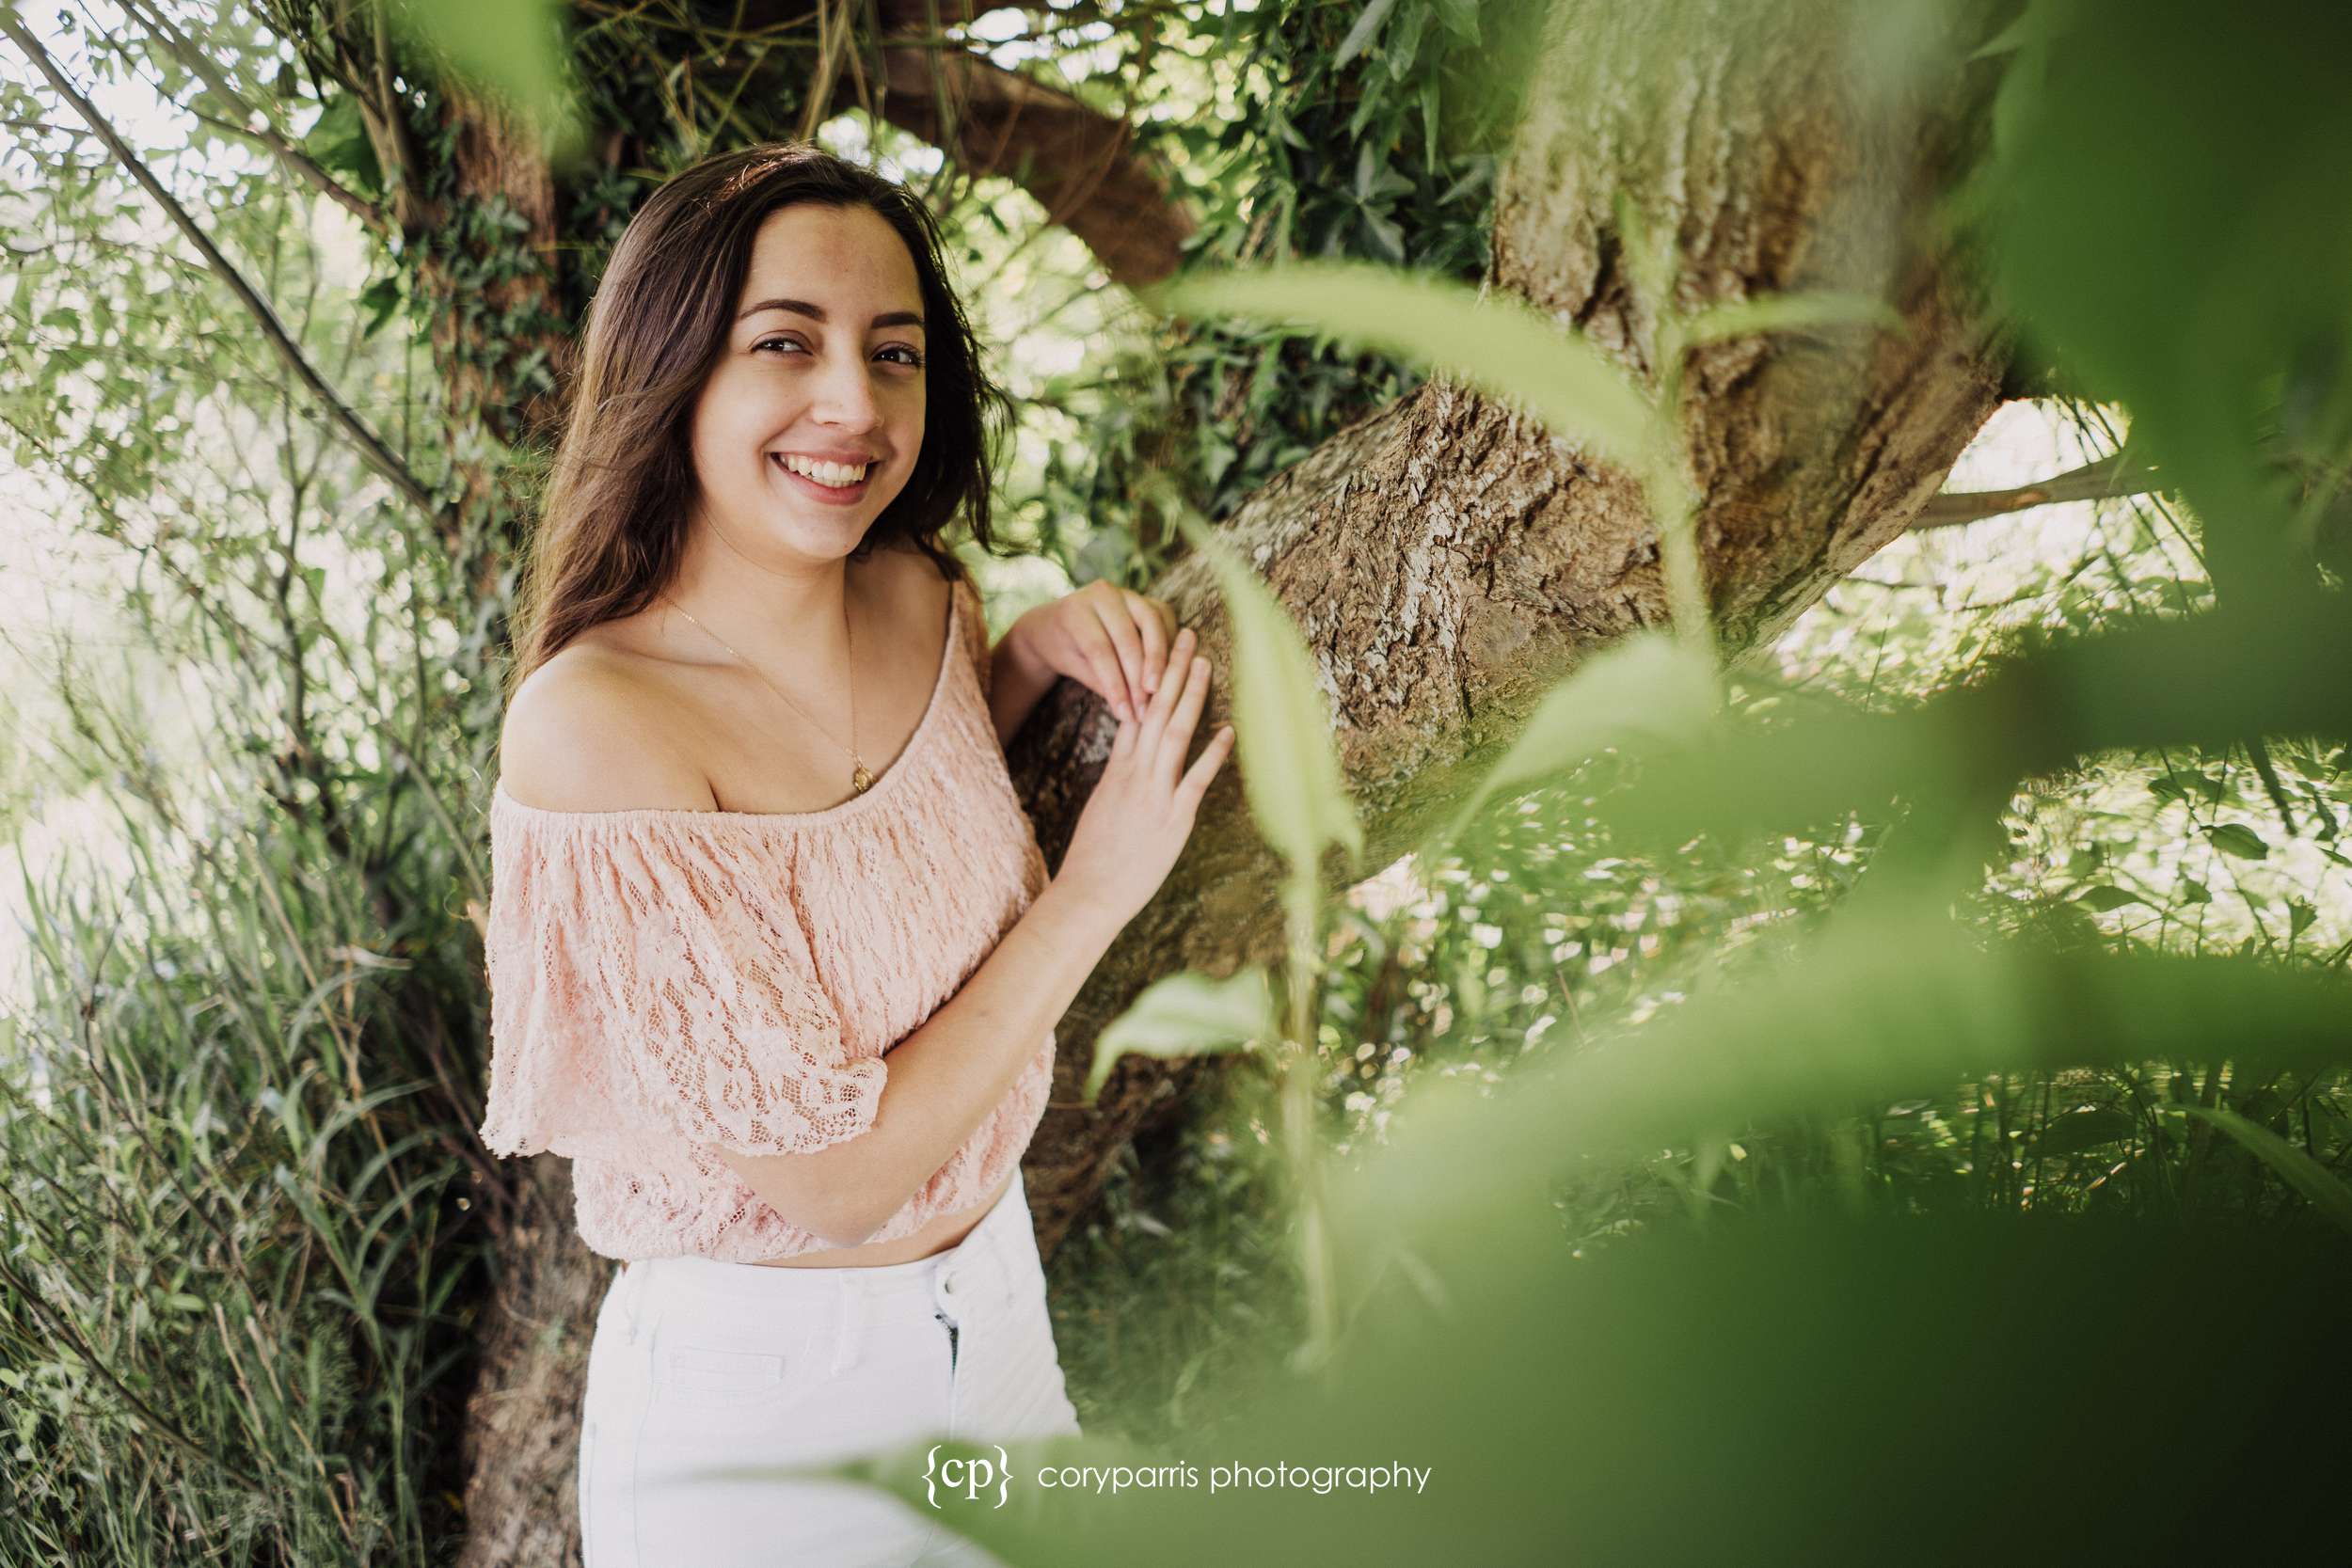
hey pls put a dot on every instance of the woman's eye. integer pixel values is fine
(912, 358)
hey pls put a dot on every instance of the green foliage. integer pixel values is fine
(1187, 1014)
(226, 1289)
(513, 49)
(1387, 155)
(1281, 726)
(1647, 690)
(1945, 1023)
(1851, 1391)
(2218, 311)
(2330, 1198)
(1501, 344)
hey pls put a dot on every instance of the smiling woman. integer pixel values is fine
(746, 275)
(803, 396)
(790, 1013)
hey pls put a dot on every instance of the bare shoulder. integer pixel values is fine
(587, 732)
(919, 593)
(914, 577)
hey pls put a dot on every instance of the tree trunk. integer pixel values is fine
(1448, 560)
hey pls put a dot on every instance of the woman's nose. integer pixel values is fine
(845, 395)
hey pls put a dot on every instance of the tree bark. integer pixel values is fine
(521, 1442)
(1448, 560)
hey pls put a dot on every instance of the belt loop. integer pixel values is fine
(850, 1326)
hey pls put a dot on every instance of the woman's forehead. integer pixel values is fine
(841, 258)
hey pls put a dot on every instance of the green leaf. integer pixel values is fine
(2232, 838)
(1281, 726)
(1190, 1014)
(1460, 17)
(338, 143)
(2328, 1195)
(512, 49)
(1360, 36)
(2091, 1129)
(2010, 38)
(1791, 313)
(380, 299)
(1499, 344)
(1649, 257)
(2185, 783)
(2103, 896)
(1645, 688)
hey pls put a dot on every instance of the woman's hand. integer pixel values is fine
(1135, 823)
(1112, 641)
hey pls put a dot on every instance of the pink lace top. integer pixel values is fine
(663, 982)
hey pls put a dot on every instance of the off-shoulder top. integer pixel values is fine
(665, 982)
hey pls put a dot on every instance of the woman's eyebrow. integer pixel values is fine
(817, 313)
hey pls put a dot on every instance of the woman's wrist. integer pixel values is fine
(1017, 681)
(1087, 916)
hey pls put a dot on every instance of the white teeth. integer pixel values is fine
(839, 476)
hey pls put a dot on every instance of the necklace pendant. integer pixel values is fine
(861, 781)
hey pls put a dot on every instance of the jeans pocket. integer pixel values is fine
(705, 1377)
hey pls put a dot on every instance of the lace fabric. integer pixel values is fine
(667, 983)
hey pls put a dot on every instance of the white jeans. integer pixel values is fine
(697, 1362)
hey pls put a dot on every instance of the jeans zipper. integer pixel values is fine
(951, 1340)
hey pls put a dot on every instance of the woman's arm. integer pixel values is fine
(946, 1078)
(1016, 684)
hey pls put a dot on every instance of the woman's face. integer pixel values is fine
(821, 372)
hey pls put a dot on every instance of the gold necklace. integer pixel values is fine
(861, 777)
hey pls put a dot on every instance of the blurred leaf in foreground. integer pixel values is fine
(1187, 1014)
(1883, 1391)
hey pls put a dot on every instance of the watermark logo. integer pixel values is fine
(971, 1477)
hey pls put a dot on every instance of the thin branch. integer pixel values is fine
(298, 162)
(2104, 480)
(370, 449)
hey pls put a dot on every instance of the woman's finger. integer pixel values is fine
(1108, 681)
(1155, 634)
(1164, 699)
(1177, 739)
(1127, 648)
(1195, 783)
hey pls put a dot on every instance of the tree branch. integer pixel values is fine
(296, 162)
(371, 448)
(2103, 480)
(1079, 163)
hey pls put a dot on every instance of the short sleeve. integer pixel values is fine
(641, 1003)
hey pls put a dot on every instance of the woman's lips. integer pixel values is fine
(846, 495)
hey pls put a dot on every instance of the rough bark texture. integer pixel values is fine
(1448, 560)
(521, 1442)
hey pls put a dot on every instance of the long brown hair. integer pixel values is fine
(613, 526)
